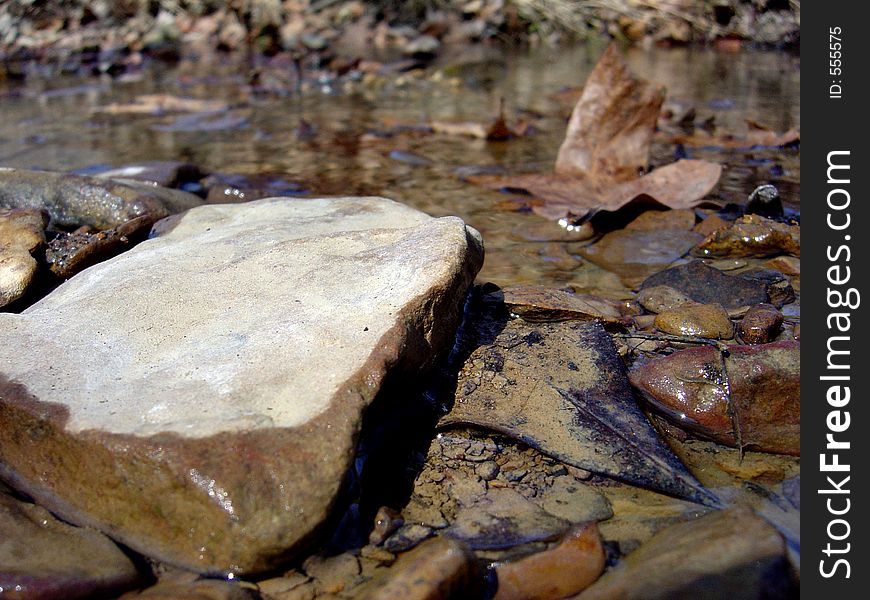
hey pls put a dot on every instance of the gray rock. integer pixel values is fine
(707, 285)
(76, 200)
(212, 379)
(43, 558)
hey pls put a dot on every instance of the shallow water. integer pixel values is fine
(49, 124)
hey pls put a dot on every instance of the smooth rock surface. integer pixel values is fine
(749, 398)
(43, 558)
(699, 320)
(728, 555)
(76, 200)
(21, 233)
(199, 397)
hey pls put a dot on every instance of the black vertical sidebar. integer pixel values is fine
(835, 298)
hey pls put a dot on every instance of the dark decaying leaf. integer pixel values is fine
(606, 148)
(561, 388)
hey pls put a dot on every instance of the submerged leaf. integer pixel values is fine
(562, 388)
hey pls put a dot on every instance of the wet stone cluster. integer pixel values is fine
(212, 387)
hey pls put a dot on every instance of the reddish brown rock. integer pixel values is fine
(568, 568)
(751, 397)
(760, 324)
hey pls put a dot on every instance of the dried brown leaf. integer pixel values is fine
(612, 124)
(606, 146)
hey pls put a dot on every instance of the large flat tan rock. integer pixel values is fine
(198, 397)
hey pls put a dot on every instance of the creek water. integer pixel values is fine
(330, 139)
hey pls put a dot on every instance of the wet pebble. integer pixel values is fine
(751, 236)
(777, 286)
(567, 568)
(662, 298)
(574, 501)
(765, 201)
(21, 234)
(761, 324)
(487, 470)
(698, 320)
(410, 158)
(538, 303)
(437, 569)
(387, 521)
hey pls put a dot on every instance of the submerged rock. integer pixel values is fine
(707, 285)
(42, 558)
(21, 234)
(700, 320)
(747, 397)
(76, 200)
(561, 388)
(568, 568)
(752, 236)
(635, 255)
(199, 396)
(663, 298)
(728, 555)
(538, 303)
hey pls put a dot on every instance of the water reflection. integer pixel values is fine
(50, 125)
